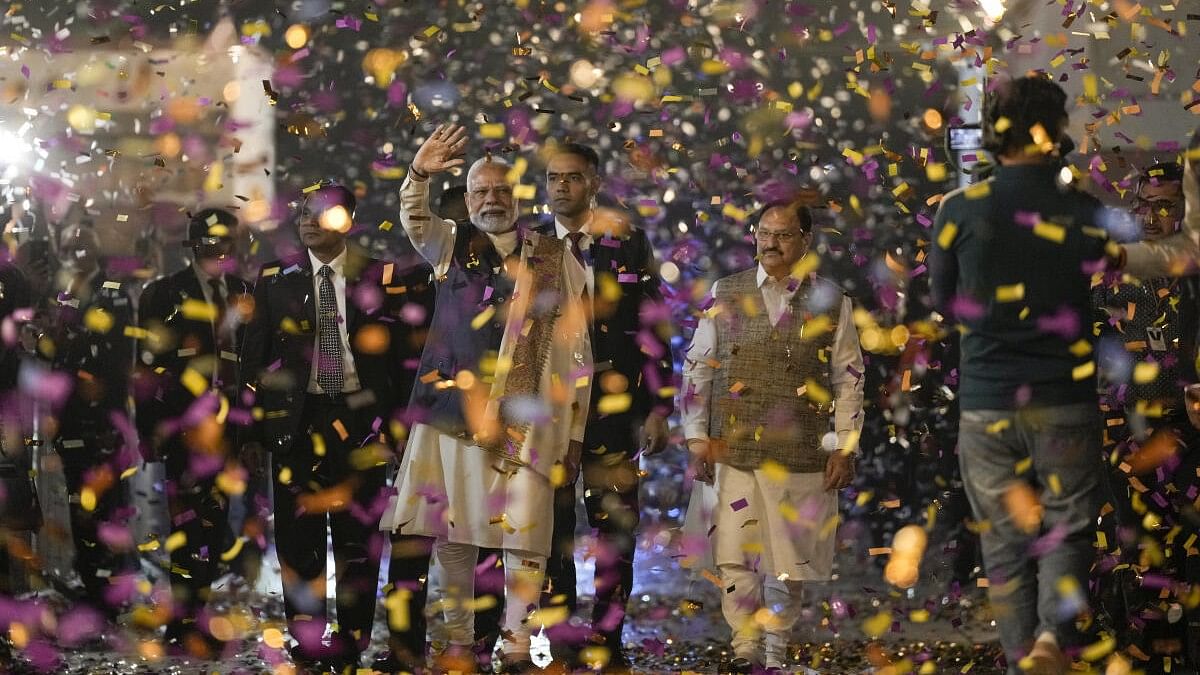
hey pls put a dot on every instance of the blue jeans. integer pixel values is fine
(1038, 577)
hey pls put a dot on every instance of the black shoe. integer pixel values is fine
(186, 639)
(340, 666)
(737, 665)
(519, 665)
(618, 662)
(390, 663)
(308, 665)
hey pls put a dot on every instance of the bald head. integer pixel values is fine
(490, 200)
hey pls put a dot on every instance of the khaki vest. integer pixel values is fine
(771, 396)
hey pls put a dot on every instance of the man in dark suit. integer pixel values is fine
(324, 361)
(186, 375)
(631, 394)
(19, 509)
(85, 340)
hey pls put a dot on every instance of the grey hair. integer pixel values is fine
(489, 160)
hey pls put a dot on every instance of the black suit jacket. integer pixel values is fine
(277, 353)
(91, 343)
(177, 338)
(626, 339)
(14, 294)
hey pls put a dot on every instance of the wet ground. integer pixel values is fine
(854, 624)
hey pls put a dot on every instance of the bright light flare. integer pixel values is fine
(993, 9)
(584, 74)
(336, 219)
(17, 154)
(903, 569)
(296, 36)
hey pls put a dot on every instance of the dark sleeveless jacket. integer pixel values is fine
(468, 323)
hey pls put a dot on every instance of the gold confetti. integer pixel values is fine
(194, 382)
(774, 471)
(483, 317)
(198, 310)
(493, 130)
(341, 430)
(816, 393)
(877, 625)
(1023, 506)
(1010, 293)
(611, 404)
(978, 191)
(234, 550)
(98, 320)
(1051, 231)
(1083, 371)
(1145, 372)
(175, 541)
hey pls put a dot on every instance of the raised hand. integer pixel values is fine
(441, 151)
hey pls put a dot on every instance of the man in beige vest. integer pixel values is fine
(772, 408)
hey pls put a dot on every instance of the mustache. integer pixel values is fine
(772, 250)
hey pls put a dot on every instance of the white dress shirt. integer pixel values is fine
(433, 236)
(585, 245)
(846, 366)
(227, 327)
(349, 374)
(203, 277)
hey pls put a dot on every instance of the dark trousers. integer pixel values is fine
(199, 511)
(96, 499)
(331, 489)
(407, 590)
(610, 478)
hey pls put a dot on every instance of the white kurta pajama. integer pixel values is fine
(463, 495)
(772, 527)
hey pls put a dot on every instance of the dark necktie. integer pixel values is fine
(225, 372)
(218, 301)
(574, 238)
(329, 339)
(576, 249)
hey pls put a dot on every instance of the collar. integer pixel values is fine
(505, 243)
(204, 277)
(562, 231)
(338, 264)
(762, 277)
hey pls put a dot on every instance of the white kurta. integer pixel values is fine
(777, 524)
(456, 491)
(772, 526)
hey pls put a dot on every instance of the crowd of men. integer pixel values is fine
(516, 363)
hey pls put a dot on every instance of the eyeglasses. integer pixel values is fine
(1143, 205)
(781, 237)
